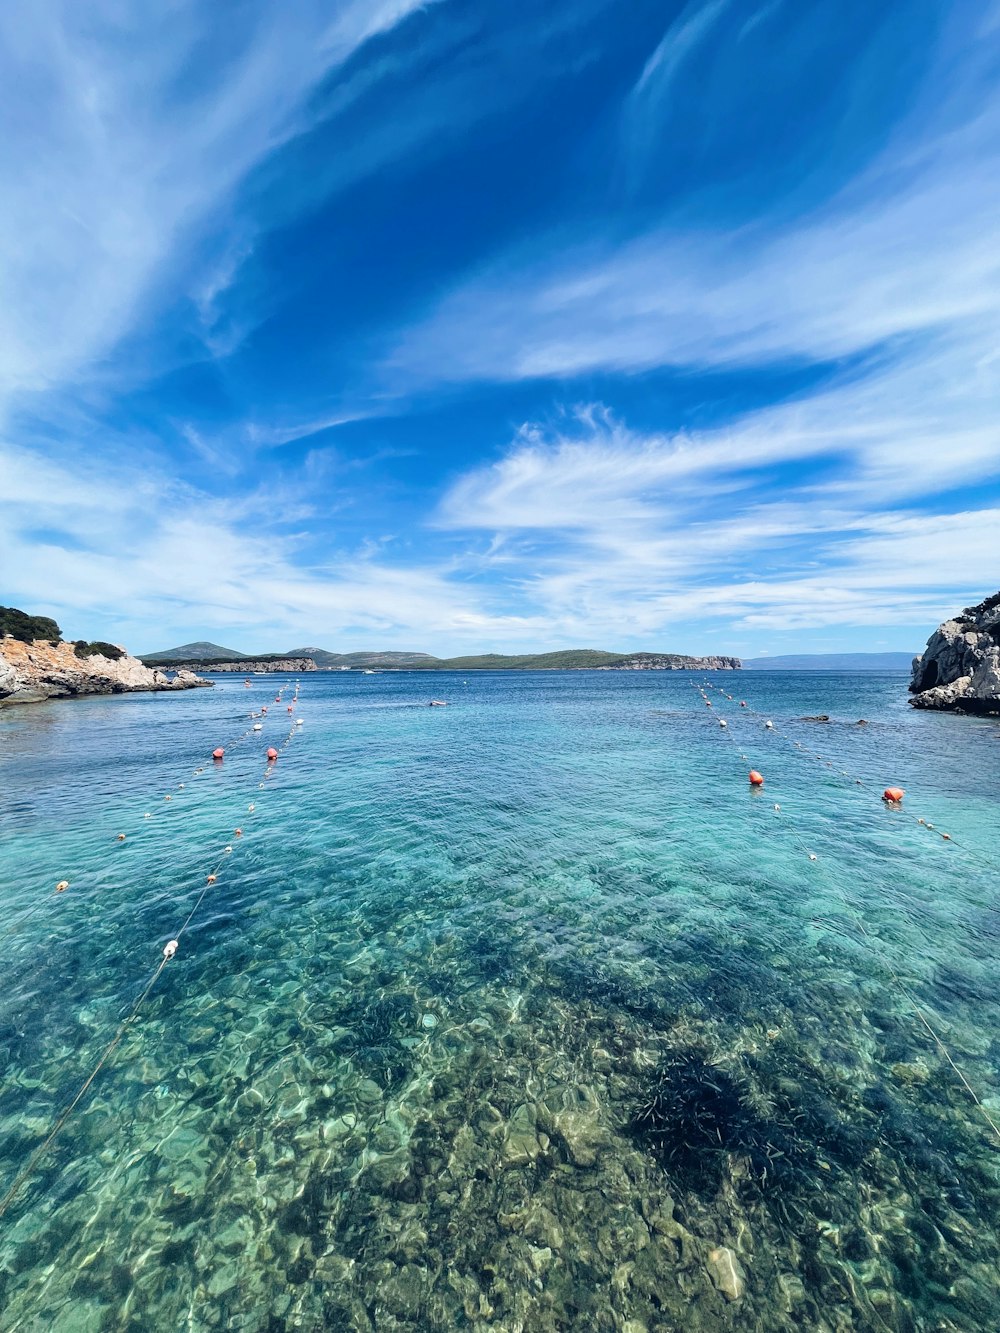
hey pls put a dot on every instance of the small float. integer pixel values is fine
(438, 703)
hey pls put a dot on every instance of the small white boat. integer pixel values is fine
(438, 703)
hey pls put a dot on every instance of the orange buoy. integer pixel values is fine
(218, 753)
(290, 709)
(237, 833)
(121, 837)
(210, 879)
(272, 753)
(756, 779)
(893, 795)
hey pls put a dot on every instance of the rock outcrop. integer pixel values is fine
(959, 670)
(248, 666)
(33, 672)
(672, 662)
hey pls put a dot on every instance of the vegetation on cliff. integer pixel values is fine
(234, 664)
(19, 625)
(98, 648)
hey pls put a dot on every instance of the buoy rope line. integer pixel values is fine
(903, 989)
(169, 952)
(864, 783)
(229, 745)
(856, 782)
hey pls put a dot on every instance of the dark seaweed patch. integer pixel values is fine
(493, 958)
(695, 1114)
(374, 1043)
(582, 979)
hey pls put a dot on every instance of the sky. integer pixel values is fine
(456, 327)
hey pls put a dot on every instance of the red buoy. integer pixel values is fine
(893, 795)
(217, 754)
(272, 753)
(756, 779)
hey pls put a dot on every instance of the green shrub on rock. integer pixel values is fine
(98, 648)
(19, 625)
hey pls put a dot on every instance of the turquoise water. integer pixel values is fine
(508, 1015)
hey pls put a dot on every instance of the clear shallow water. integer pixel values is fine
(501, 1016)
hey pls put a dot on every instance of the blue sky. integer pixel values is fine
(500, 326)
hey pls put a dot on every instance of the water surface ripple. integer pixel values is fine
(521, 1014)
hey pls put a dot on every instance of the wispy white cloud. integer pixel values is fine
(918, 261)
(603, 527)
(121, 133)
(906, 253)
(647, 103)
(130, 554)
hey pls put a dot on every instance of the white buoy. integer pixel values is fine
(257, 726)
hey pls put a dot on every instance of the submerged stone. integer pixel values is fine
(726, 1272)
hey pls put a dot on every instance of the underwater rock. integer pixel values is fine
(907, 1072)
(521, 1142)
(726, 1272)
(574, 1120)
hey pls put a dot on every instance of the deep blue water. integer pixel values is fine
(504, 1015)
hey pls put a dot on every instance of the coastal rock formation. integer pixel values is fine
(248, 667)
(32, 672)
(672, 662)
(959, 670)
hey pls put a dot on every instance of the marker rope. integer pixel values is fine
(901, 986)
(14, 926)
(169, 952)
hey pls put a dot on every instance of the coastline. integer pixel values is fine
(38, 671)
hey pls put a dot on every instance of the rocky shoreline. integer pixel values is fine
(672, 662)
(247, 666)
(959, 670)
(34, 672)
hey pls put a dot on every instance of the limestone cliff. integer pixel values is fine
(249, 666)
(959, 669)
(32, 672)
(672, 662)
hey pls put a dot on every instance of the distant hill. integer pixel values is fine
(831, 662)
(322, 658)
(196, 652)
(568, 659)
(576, 659)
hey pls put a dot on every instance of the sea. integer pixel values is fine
(526, 1013)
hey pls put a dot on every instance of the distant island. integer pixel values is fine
(212, 657)
(831, 662)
